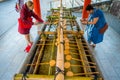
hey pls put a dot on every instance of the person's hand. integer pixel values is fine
(36, 23)
(45, 22)
(84, 22)
(81, 20)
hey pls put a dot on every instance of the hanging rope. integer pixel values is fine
(58, 70)
(24, 76)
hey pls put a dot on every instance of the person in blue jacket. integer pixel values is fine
(95, 22)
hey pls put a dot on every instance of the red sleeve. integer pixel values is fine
(37, 18)
(24, 17)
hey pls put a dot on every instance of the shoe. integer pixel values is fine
(93, 45)
(27, 49)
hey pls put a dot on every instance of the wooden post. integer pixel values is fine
(50, 4)
(84, 12)
(37, 8)
(72, 3)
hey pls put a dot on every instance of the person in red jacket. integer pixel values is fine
(25, 22)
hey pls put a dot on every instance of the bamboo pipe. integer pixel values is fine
(46, 40)
(60, 53)
(81, 57)
(40, 53)
(52, 52)
(69, 57)
(60, 56)
(70, 73)
(68, 65)
(83, 66)
(81, 54)
(79, 49)
(89, 73)
(51, 63)
(44, 44)
(37, 64)
(38, 60)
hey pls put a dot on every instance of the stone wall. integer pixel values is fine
(115, 8)
(113, 22)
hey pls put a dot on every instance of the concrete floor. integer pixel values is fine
(12, 45)
(107, 55)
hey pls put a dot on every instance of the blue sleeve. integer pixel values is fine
(101, 21)
(96, 14)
